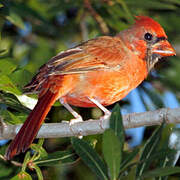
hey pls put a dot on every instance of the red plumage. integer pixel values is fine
(98, 72)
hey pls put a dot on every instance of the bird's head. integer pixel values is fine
(148, 40)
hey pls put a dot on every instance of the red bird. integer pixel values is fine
(98, 73)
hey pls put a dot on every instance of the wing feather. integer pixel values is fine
(96, 54)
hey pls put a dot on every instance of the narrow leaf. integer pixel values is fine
(166, 171)
(11, 101)
(3, 52)
(57, 157)
(116, 124)
(154, 96)
(15, 19)
(38, 171)
(90, 158)
(112, 152)
(127, 158)
(148, 151)
(26, 160)
(39, 150)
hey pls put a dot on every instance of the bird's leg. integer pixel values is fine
(78, 118)
(107, 113)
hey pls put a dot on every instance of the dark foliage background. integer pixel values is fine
(34, 31)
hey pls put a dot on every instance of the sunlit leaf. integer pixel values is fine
(13, 117)
(27, 101)
(26, 160)
(11, 101)
(1, 5)
(3, 52)
(15, 19)
(6, 66)
(8, 86)
(22, 176)
(39, 149)
(21, 77)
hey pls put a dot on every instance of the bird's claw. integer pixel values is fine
(74, 121)
(104, 118)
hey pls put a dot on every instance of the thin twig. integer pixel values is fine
(97, 17)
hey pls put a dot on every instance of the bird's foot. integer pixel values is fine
(77, 119)
(74, 121)
(107, 113)
(106, 116)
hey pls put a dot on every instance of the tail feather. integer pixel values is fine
(31, 126)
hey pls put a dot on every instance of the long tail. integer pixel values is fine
(30, 128)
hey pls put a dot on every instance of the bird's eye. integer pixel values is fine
(148, 36)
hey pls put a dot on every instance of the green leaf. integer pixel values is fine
(13, 119)
(6, 66)
(5, 170)
(130, 175)
(57, 157)
(21, 77)
(39, 149)
(166, 171)
(172, 148)
(15, 19)
(11, 101)
(1, 5)
(116, 123)
(90, 158)
(148, 150)
(26, 160)
(38, 171)
(154, 96)
(3, 52)
(150, 4)
(22, 176)
(128, 157)
(164, 156)
(112, 152)
(7, 85)
(31, 13)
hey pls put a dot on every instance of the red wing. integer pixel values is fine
(97, 54)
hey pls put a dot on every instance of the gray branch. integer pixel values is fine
(89, 127)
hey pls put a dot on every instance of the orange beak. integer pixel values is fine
(163, 48)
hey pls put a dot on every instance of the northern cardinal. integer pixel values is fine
(98, 73)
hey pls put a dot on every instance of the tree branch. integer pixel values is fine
(103, 27)
(89, 127)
